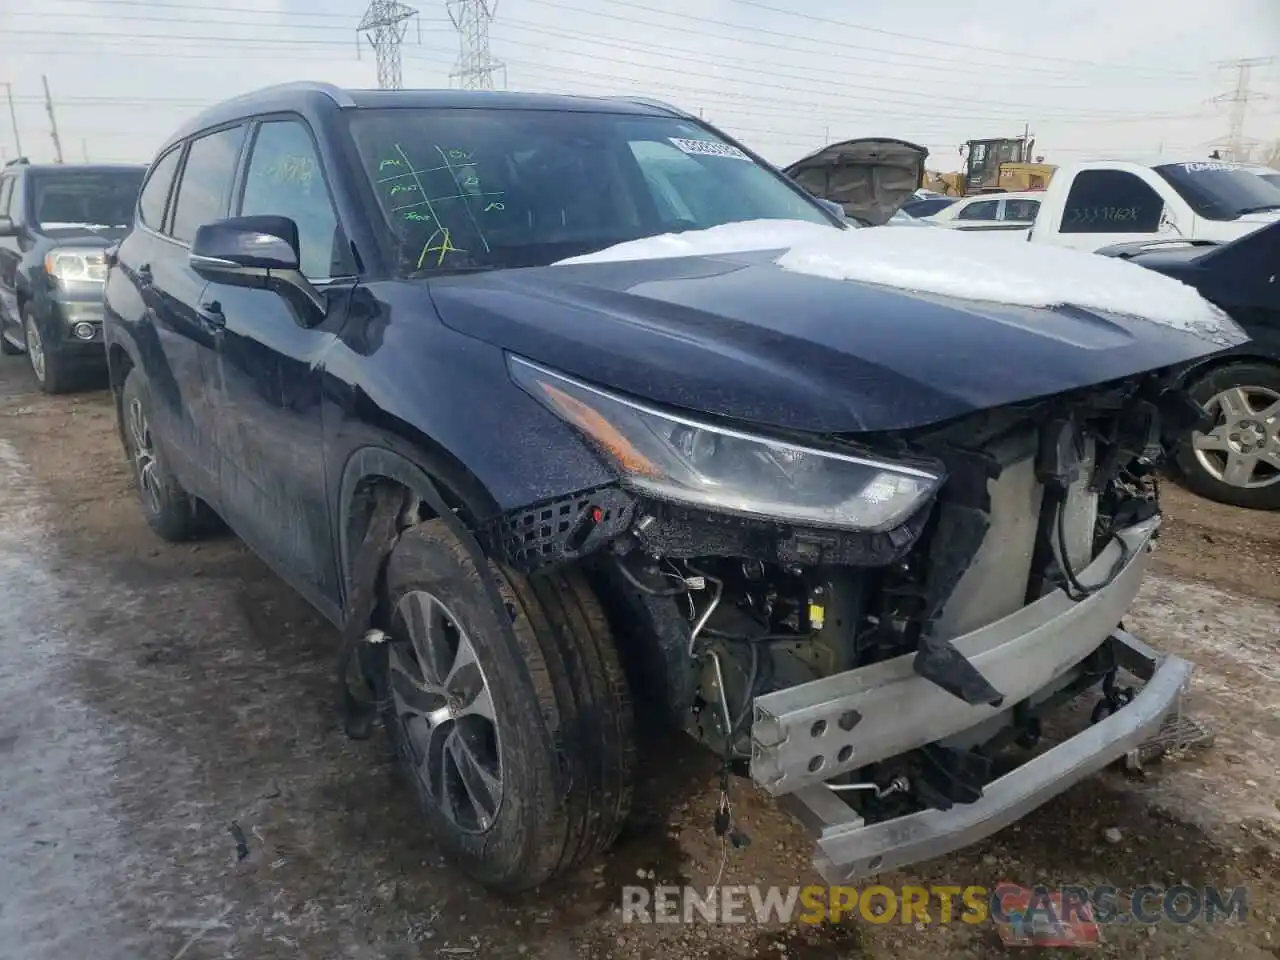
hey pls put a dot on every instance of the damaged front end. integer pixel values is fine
(864, 626)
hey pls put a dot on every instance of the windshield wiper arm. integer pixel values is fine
(1263, 208)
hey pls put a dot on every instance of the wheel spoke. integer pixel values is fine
(1234, 403)
(1271, 413)
(412, 694)
(1271, 458)
(1215, 440)
(423, 616)
(1239, 469)
(150, 485)
(464, 657)
(482, 786)
(479, 705)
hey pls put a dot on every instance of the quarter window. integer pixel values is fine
(284, 178)
(205, 187)
(1111, 201)
(6, 191)
(155, 194)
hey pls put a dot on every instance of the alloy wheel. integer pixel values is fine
(1243, 448)
(35, 348)
(144, 456)
(443, 701)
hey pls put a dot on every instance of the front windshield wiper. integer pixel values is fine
(449, 271)
(1263, 208)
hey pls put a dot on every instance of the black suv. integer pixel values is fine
(569, 414)
(56, 221)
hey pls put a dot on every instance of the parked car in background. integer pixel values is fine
(927, 206)
(554, 407)
(989, 211)
(1102, 203)
(869, 177)
(55, 222)
(1237, 461)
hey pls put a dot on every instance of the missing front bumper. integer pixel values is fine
(849, 849)
(805, 735)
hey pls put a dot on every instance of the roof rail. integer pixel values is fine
(17, 161)
(334, 93)
(649, 102)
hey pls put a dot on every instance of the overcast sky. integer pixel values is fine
(1121, 79)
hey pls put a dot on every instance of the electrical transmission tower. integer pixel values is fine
(385, 24)
(1236, 145)
(476, 66)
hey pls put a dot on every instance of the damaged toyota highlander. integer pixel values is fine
(579, 419)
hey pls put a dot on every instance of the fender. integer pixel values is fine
(371, 463)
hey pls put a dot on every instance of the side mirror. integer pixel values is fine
(255, 252)
(245, 247)
(7, 228)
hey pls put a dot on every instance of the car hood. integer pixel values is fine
(1238, 276)
(82, 235)
(738, 336)
(870, 177)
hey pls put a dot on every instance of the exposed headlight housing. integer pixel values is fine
(82, 264)
(671, 457)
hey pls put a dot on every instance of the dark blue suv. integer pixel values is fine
(577, 417)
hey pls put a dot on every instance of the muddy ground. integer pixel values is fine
(159, 702)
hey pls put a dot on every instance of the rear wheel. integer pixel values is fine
(1238, 461)
(7, 347)
(512, 723)
(171, 512)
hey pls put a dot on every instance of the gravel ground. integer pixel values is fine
(158, 700)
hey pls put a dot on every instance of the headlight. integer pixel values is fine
(678, 459)
(87, 265)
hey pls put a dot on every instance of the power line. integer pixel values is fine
(837, 100)
(741, 33)
(949, 43)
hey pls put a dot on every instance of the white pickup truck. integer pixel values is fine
(1101, 203)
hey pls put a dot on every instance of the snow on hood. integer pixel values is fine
(973, 266)
(740, 237)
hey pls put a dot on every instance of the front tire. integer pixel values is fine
(51, 370)
(1238, 461)
(513, 724)
(171, 512)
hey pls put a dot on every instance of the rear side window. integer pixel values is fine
(6, 191)
(155, 194)
(1111, 201)
(205, 187)
(982, 210)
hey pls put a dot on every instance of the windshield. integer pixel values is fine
(1221, 191)
(85, 198)
(466, 189)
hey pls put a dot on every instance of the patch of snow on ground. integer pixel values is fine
(950, 263)
(727, 238)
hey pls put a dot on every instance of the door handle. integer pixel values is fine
(212, 318)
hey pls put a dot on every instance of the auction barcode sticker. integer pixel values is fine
(709, 148)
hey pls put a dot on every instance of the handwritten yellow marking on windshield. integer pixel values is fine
(496, 205)
(443, 248)
(382, 165)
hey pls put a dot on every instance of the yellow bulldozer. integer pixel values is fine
(994, 166)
